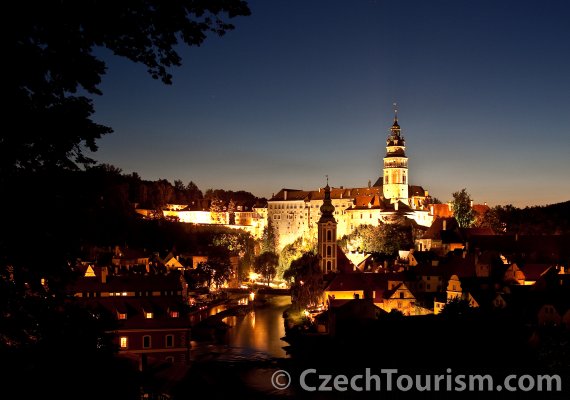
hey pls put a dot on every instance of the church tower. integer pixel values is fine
(326, 245)
(395, 186)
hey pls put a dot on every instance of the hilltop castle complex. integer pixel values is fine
(296, 213)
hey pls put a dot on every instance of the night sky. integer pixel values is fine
(303, 88)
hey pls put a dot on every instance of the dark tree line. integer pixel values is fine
(553, 219)
(53, 210)
(50, 46)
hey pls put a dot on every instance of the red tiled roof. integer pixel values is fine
(480, 209)
(436, 228)
(442, 210)
(534, 271)
(343, 264)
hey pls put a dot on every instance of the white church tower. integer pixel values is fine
(395, 185)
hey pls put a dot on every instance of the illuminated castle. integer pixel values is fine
(295, 213)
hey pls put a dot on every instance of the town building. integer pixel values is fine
(151, 324)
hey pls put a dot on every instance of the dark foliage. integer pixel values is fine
(52, 67)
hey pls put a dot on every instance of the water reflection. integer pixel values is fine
(258, 331)
(246, 360)
(262, 328)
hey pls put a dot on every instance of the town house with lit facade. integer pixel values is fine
(151, 325)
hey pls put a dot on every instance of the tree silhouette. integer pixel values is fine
(307, 277)
(50, 48)
(265, 264)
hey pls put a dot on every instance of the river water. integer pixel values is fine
(244, 361)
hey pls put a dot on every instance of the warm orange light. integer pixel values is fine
(148, 315)
(124, 342)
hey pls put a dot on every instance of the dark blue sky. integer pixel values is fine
(303, 88)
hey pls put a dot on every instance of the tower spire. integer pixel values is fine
(327, 209)
(395, 113)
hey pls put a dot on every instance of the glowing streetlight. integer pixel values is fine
(253, 276)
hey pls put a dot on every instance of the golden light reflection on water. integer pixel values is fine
(262, 328)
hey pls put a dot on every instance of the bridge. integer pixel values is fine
(260, 290)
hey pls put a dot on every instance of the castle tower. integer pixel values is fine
(326, 245)
(395, 186)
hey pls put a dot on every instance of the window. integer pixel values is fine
(169, 340)
(401, 295)
(169, 359)
(404, 179)
(329, 251)
(148, 315)
(122, 315)
(329, 236)
(146, 342)
(174, 314)
(428, 287)
(329, 266)
(386, 179)
(124, 342)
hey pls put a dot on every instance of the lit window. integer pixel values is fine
(122, 315)
(146, 342)
(174, 314)
(169, 340)
(148, 315)
(124, 342)
(124, 294)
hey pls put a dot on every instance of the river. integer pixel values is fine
(244, 361)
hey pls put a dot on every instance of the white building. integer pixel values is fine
(294, 213)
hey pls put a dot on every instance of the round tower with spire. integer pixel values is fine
(395, 185)
(326, 245)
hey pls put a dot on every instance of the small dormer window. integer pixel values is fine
(148, 315)
(174, 314)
